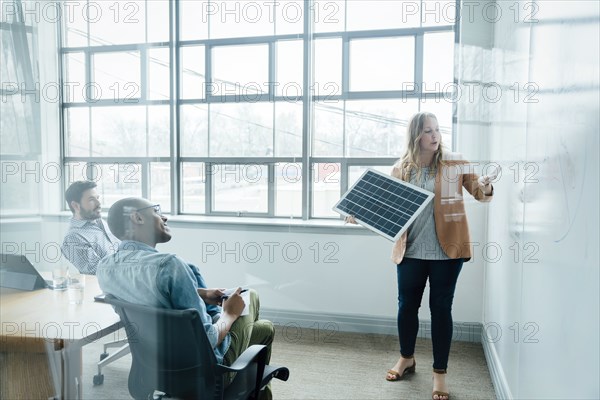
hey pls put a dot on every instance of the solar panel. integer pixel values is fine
(384, 204)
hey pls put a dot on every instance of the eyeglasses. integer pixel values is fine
(155, 206)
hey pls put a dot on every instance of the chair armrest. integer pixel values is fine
(255, 354)
(245, 359)
(274, 371)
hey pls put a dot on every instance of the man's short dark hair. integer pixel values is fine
(118, 215)
(75, 191)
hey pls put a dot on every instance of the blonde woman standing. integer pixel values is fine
(434, 247)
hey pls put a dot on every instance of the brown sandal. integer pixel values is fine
(439, 393)
(398, 376)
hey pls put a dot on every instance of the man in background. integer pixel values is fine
(89, 239)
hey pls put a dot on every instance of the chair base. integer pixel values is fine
(105, 360)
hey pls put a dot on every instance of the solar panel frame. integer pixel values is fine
(384, 204)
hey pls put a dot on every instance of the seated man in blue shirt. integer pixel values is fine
(88, 238)
(140, 274)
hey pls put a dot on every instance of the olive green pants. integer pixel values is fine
(246, 331)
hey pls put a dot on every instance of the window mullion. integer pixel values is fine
(174, 79)
(307, 108)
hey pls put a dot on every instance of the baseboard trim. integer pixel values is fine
(463, 331)
(496, 371)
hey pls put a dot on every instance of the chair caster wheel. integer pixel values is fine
(103, 356)
(98, 379)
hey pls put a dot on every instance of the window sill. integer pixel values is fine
(268, 224)
(20, 218)
(238, 223)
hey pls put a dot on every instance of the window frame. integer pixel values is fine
(306, 101)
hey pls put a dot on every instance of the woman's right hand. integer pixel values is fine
(350, 220)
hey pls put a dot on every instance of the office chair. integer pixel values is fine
(106, 359)
(172, 355)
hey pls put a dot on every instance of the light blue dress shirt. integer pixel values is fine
(139, 274)
(86, 242)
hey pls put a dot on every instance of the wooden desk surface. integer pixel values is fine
(47, 314)
(41, 340)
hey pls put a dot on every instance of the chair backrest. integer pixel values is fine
(170, 352)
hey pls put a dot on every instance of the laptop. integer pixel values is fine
(17, 272)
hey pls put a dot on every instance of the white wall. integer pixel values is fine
(542, 299)
(344, 271)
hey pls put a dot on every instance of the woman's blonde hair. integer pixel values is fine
(410, 160)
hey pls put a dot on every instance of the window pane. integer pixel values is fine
(329, 15)
(235, 19)
(241, 129)
(160, 185)
(76, 26)
(158, 17)
(376, 128)
(74, 68)
(159, 129)
(158, 74)
(328, 67)
(192, 72)
(326, 189)
(289, 16)
(116, 181)
(356, 171)
(382, 14)
(438, 76)
(240, 188)
(119, 131)
(382, 64)
(16, 115)
(112, 80)
(328, 138)
(289, 68)
(193, 23)
(8, 70)
(77, 131)
(116, 22)
(21, 193)
(75, 171)
(288, 189)
(288, 129)
(439, 12)
(193, 189)
(194, 130)
(240, 70)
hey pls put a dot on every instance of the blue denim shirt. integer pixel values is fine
(139, 274)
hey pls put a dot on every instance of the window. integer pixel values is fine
(249, 115)
(20, 135)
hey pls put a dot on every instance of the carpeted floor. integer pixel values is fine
(333, 365)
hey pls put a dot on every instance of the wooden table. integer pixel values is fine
(41, 340)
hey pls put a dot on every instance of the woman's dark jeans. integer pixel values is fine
(412, 277)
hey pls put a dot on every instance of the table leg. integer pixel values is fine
(72, 385)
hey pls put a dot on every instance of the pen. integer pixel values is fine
(241, 291)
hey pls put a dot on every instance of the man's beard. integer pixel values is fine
(89, 215)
